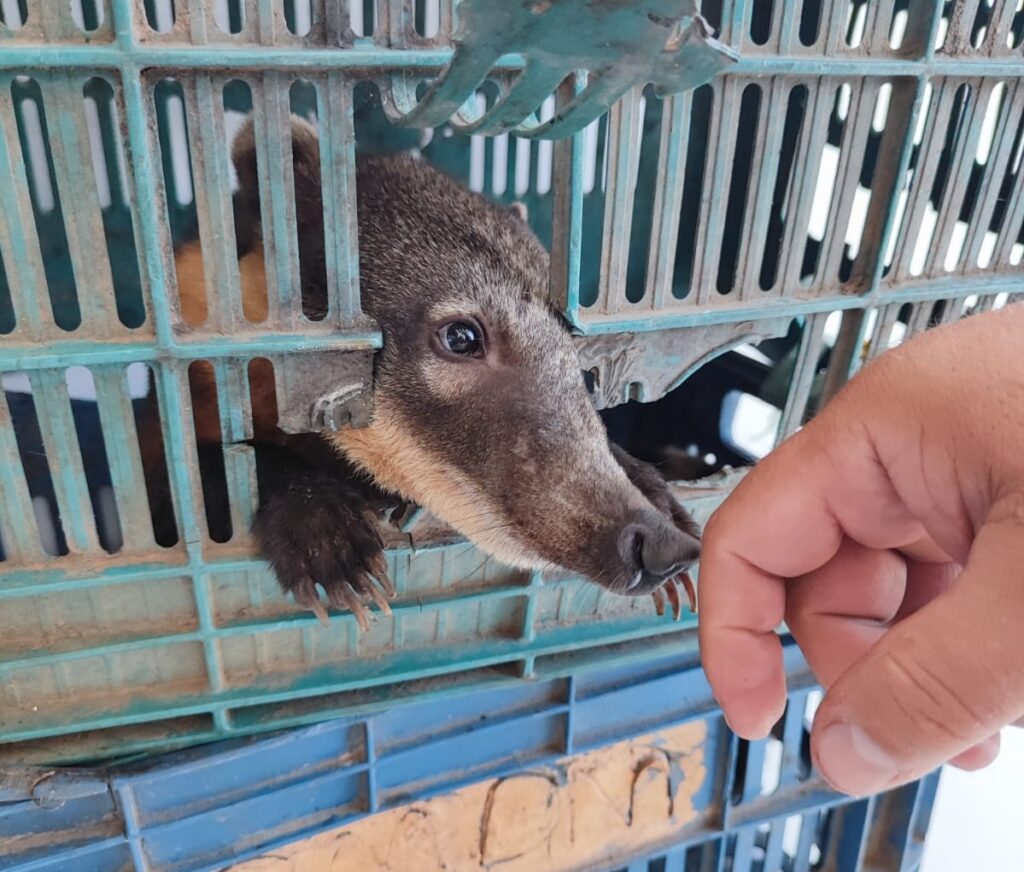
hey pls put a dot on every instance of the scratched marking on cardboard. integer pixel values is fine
(596, 807)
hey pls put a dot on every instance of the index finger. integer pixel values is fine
(787, 518)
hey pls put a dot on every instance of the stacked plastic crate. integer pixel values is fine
(833, 175)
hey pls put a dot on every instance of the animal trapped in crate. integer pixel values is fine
(480, 410)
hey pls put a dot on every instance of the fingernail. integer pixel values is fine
(851, 761)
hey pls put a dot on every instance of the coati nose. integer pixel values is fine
(653, 549)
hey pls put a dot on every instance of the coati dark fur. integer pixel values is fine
(481, 413)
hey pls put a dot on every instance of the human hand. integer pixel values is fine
(855, 531)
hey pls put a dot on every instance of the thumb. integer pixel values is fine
(943, 680)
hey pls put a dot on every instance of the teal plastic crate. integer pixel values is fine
(834, 176)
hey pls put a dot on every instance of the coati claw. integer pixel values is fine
(318, 609)
(306, 595)
(672, 592)
(343, 596)
(379, 568)
(378, 598)
(686, 580)
(659, 602)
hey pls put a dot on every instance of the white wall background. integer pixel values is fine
(977, 824)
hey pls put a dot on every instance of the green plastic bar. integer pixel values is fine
(946, 286)
(210, 161)
(961, 167)
(128, 16)
(845, 353)
(623, 142)
(880, 335)
(804, 371)
(400, 578)
(18, 529)
(211, 652)
(908, 104)
(173, 397)
(1003, 13)
(668, 199)
(529, 627)
(995, 172)
(61, 576)
(158, 52)
(337, 162)
(715, 196)
(448, 20)
(250, 20)
(17, 356)
(403, 666)
(875, 38)
(760, 190)
(149, 213)
(19, 241)
(958, 37)
(396, 23)
(57, 23)
(117, 421)
(269, 21)
(784, 29)
(1009, 232)
(272, 129)
(200, 20)
(851, 156)
(129, 197)
(567, 208)
(927, 15)
(939, 110)
(60, 441)
(953, 311)
(83, 221)
(834, 23)
(821, 96)
(920, 318)
(733, 16)
(234, 401)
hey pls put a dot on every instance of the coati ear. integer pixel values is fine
(564, 322)
(305, 155)
(520, 211)
(305, 164)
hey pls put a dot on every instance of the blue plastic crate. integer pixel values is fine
(683, 225)
(206, 808)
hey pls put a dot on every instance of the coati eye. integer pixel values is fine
(461, 338)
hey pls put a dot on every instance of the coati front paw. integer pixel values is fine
(653, 486)
(317, 529)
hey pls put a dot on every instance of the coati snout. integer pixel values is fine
(481, 413)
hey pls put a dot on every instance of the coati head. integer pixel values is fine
(481, 413)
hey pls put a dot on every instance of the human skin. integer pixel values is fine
(889, 534)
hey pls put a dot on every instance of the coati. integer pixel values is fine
(481, 414)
